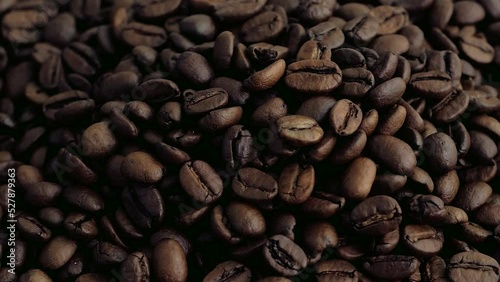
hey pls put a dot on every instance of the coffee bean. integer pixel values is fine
(472, 265)
(433, 84)
(313, 76)
(391, 19)
(441, 152)
(144, 205)
(387, 93)
(200, 181)
(361, 30)
(255, 185)
(68, 106)
(356, 82)
(345, 117)
(353, 185)
(391, 267)
(315, 11)
(299, 130)
(327, 34)
(262, 27)
(401, 160)
(335, 269)
(32, 229)
(318, 236)
(423, 240)
(229, 270)
(348, 148)
(57, 252)
(235, 10)
(267, 77)
(296, 183)
(284, 256)
(376, 215)
(313, 50)
(141, 167)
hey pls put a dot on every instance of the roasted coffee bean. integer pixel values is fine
(299, 130)
(441, 152)
(284, 256)
(296, 183)
(313, 50)
(391, 19)
(31, 229)
(349, 148)
(68, 106)
(269, 112)
(358, 178)
(345, 117)
(340, 270)
(472, 266)
(392, 267)
(262, 27)
(433, 84)
(328, 34)
(356, 82)
(315, 11)
(267, 77)
(323, 205)
(401, 160)
(423, 240)
(255, 185)
(57, 252)
(313, 76)
(142, 167)
(200, 181)
(84, 198)
(361, 30)
(144, 205)
(236, 10)
(376, 215)
(229, 270)
(387, 93)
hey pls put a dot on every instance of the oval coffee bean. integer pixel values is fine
(376, 215)
(345, 117)
(299, 130)
(401, 158)
(296, 183)
(284, 256)
(200, 181)
(313, 76)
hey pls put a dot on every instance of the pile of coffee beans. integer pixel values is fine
(250, 140)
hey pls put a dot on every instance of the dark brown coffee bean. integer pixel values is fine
(220, 119)
(267, 113)
(255, 185)
(136, 34)
(477, 48)
(388, 183)
(205, 100)
(57, 252)
(441, 153)
(229, 271)
(262, 27)
(394, 43)
(401, 160)
(81, 226)
(358, 179)
(318, 236)
(328, 34)
(200, 181)
(236, 10)
(376, 215)
(441, 13)
(482, 148)
(433, 84)
(356, 82)
(451, 107)
(313, 50)
(267, 77)
(387, 93)
(142, 167)
(144, 205)
(135, 267)
(313, 76)
(32, 229)
(296, 183)
(315, 11)
(299, 130)
(340, 270)
(345, 117)
(323, 205)
(195, 68)
(392, 121)
(392, 267)
(472, 266)
(284, 256)
(361, 30)
(348, 148)
(68, 106)
(446, 186)
(423, 240)
(42, 194)
(316, 107)
(391, 19)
